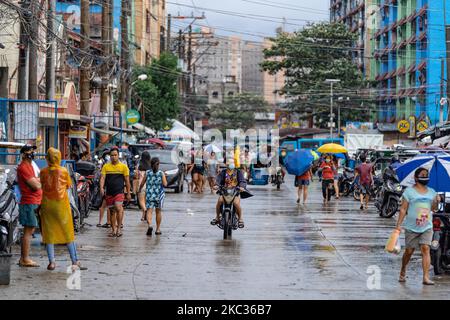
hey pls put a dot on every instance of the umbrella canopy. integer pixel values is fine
(438, 165)
(156, 141)
(332, 148)
(299, 162)
(212, 148)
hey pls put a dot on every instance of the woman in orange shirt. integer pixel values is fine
(327, 168)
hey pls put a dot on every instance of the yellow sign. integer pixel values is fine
(403, 126)
(422, 126)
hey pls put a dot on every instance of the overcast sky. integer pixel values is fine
(251, 19)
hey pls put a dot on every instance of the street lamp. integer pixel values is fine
(339, 112)
(141, 77)
(331, 82)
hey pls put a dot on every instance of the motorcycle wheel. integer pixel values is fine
(356, 194)
(278, 185)
(226, 225)
(389, 209)
(436, 261)
(3, 242)
(345, 189)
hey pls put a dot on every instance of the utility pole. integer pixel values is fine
(169, 27)
(189, 58)
(32, 58)
(84, 72)
(50, 54)
(331, 82)
(124, 55)
(106, 55)
(447, 53)
(22, 85)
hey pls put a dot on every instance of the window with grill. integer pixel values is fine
(147, 21)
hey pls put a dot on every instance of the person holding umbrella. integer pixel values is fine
(418, 202)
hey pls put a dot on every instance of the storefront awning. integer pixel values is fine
(101, 131)
(124, 130)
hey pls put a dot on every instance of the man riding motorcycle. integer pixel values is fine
(229, 178)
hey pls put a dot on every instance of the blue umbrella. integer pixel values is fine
(298, 162)
(437, 164)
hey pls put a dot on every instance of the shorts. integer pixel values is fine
(153, 204)
(112, 201)
(414, 239)
(27, 215)
(364, 189)
(301, 182)
(336, 177)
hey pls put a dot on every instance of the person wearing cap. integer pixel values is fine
(31, 196)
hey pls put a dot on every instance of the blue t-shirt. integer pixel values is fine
(419, 218)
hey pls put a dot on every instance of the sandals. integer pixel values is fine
(119, 234)
(112, 235)
(51, 266)
(214, 222)
(158, 233)
(241, 224)
(428, 283)
(78, 266)
(106, 225)
(149, 231)
(30, 264)
(99, 225)
(402, 278)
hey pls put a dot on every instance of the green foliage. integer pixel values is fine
(238, 112)
(309, 57)
(159, 93)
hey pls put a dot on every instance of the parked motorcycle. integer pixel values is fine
(9, 211)
(345, 182)
(440, 245)
(388, 197)
(85, 174)
(97, 199)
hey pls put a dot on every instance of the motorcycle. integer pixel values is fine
(345, 183)
(228, 218)
(97, 199)
(9, 211)
(277, 178)
(440, 245)
(85, 174)
(389, 195)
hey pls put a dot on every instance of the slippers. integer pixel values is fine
(106, 225)
(111, 235)
(99, 225)
(119, 234)
(158, 233)
(30, 264)
(402, 278)
(428, 283)
(51, 266)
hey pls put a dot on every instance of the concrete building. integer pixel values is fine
(256, 81)
(219, 91)
(149, 23)
(353, 14)
(410, 49)
(219, 62)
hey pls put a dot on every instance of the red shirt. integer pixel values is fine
(25, 172)
(327, 171)
(305, 176)
(364, 171)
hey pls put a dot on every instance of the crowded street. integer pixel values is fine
(285, 251)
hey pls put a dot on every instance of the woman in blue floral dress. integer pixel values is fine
(155, 181)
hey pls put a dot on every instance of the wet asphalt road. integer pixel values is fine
(285, 251)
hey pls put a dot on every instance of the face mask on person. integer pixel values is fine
(29, 156)
(327, 160)
(423, 180)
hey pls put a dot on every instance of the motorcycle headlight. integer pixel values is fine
(434, 244)
(398, 188)
(171, 172)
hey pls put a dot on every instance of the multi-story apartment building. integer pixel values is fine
(410, 49)
(149, 29)
(353, 14)
(256, 81)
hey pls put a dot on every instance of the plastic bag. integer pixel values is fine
(393, 243)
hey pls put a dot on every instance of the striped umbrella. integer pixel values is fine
(437, 164)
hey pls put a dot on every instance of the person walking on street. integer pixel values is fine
(327, 170)
(336, 175)
(302, 182)
(418, 202)
(144, 166)
(198, 171)
(364, 171)
(55, 213)
(31, 195)
(213, 170)
(114, 176)
(106, 158)
(155, 181)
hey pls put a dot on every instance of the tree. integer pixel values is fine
(310, 56)
(159, 93)
(238, 112)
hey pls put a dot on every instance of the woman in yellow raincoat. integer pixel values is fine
(55, 213)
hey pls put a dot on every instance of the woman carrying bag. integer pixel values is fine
(155, 181)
